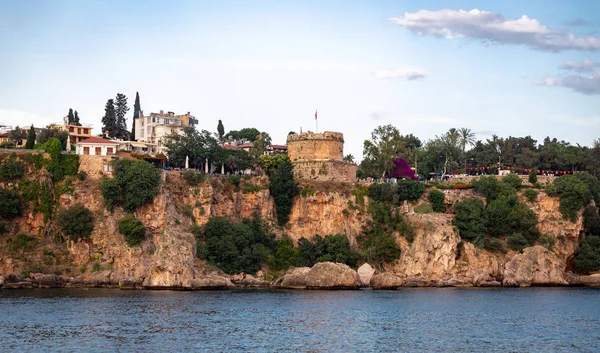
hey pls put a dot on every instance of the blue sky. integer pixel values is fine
(422, 66)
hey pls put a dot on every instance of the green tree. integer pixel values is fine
(76, 221)
(286, 255)
(133, 230)
(587, 258)
(574, 195)
(470, 219)
(30, 138)
(349, 158)
(136, 114)
(16, 135)
(499, 218)
(76, 117)
(50, 132)
(591, 221)
(70, 116)
(10, 204)
(513, 180)
(249, 133)
(383, 148)
(197, 145)
(466, 138)
(135, 183)
(220, 130)
(532, 178)
(436, 197)
(270, 163)
(11, 169)
(121, 123)
(284, 189)
(109, 120)
(53, 148)
(410, 190)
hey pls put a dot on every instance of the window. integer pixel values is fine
(109, 150)
(98, 151)
(86, 150)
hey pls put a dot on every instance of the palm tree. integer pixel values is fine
(466, 137)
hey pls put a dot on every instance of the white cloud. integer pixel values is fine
(586, 65)
(493, 28)
(582, 84)
(406, 74)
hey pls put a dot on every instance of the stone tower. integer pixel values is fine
(320, 156)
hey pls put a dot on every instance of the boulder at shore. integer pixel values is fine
(324, 275)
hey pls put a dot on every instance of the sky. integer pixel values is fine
(511, 68)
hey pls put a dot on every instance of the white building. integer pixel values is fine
(155, 128)
(97, 146)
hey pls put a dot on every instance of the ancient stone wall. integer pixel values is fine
(325, 170)
(310, 146)
(542, 179)
(93, 165)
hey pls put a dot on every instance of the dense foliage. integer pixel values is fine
(10, 204)
(530, 194)
(469, 219)
(588, 257)
(77, 221)
(437, 197)
(335, 248)
(270, 163)
(574, 195)
(30, 139)
(512, 180)
(133, 230)
(532, 177)
(11, 169)
(285, 254)
(237, 247)
(192, 177)
(135, 183)
(396, 192)
(283, 188)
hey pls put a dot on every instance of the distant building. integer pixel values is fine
(247, 145)
(21, 142)
(155, 128)
(97, 146)
(77, 131)
(137, 147)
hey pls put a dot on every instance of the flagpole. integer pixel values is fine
(316, 122)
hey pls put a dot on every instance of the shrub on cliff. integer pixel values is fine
(11, 169)
(335, 248)
(133, 230)
(284, 189)
(76, 221)
(285, 255)
(592, 183)
(135, 183)
(410, 190)
(237, 247)
(517, 242)
(574, 195)
(437, 197)
(469, 219)
(10, 204)
(530, 195)
(383, 192)
(588, 256)
(193, 178)
(532, 178)
(270, 163)
(499, 217)
(591, 220)
(512, 180)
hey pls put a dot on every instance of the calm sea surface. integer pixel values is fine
(434, 320)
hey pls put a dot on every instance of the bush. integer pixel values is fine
(512, 180)
(378, 249)
(437, 197)
(250, 188)
(532, 178)
(517, 242)
(335, 248)
(530, 195)
(285, 255)
(193, 178)
(3, 228)
(587, 258)
(284, 189)
(383, 192)
(551, 190)
(76, 221)
(574, 195)
(488, 187)
(591, 220)
(11, 169)
(82, 175)
(21, 242)
(592, 183)
(237, 247)
(499, 217)
(410, 189)
(10, 204)
(469, 219)
(423, 208)
(133, 230)
(494, 244)
(135, 183)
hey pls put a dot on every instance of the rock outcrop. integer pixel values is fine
(535, 266)
(365, 273)
(386, 280)
(323, 275)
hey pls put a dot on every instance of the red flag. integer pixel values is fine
(315, 115)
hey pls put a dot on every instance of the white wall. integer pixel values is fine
(103, 149)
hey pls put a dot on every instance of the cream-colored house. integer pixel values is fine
(97, 146)
(155, 128)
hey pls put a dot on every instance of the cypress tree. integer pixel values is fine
(76, 117)
(30, 139)
(109, 120)
(120, 111)
(71, 116)
(221, 130)
(136, 114)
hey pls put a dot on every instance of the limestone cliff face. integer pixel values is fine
(167, 258)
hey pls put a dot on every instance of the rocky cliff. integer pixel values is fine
(436, 257)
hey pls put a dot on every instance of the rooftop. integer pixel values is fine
(98, 141)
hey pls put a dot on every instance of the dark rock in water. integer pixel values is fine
(47, 280)
(130, 284)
